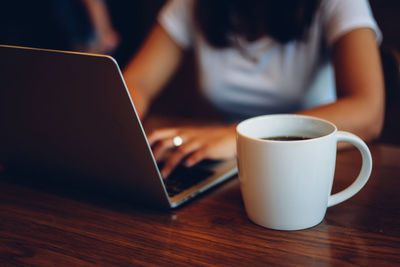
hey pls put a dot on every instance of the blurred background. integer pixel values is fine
(115, 27)
(118, 27)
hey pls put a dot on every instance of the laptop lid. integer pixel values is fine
(71, 113)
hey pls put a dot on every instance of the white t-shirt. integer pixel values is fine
(265, 76)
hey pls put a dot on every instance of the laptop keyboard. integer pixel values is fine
(183, 178)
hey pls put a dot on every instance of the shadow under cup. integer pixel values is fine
(286, 185)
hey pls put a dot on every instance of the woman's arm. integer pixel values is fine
(360, 87)
(155, 63)
(359, 108)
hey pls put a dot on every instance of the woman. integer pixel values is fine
(258, 57)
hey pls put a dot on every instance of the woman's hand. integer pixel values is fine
(198, 143)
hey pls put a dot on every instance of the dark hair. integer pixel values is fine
(283, 20)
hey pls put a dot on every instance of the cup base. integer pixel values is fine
(287, 227)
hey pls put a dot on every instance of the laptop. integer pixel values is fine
(67, 114)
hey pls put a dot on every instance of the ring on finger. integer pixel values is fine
(177, 141)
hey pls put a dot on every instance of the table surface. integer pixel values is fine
(41, 225)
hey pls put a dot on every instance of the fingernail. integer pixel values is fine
(188, 164)
(164, 174)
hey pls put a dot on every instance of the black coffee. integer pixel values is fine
(286, 138)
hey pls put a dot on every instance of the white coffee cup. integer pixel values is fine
(286, 185)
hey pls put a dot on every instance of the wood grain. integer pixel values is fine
(47, 226)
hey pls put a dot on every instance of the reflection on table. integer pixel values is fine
(42, 225)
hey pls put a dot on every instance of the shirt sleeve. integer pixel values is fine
(176, 18)
(343, 16)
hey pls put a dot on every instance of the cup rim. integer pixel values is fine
(240, 125)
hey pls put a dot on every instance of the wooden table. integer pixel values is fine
(46, 226)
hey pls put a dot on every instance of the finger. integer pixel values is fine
(161, 147)
(196, 157)
(157, 135)
(177, 156)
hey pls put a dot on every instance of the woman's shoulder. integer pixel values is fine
(184, 6)
(176, 17)
(338, 17)
(345, 9)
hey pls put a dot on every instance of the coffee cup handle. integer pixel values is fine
(365, 171)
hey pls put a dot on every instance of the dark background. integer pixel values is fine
(56, 24)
